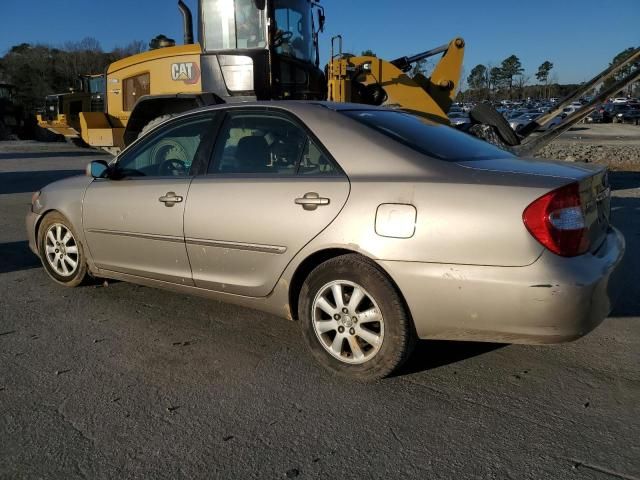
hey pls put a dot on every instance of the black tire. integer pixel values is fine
(80, 273)
(486, 114)
(154, 123)
(399, 335)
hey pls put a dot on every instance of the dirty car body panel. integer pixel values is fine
(446, 227)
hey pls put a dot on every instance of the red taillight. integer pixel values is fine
(558, 222)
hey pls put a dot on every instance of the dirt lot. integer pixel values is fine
(614, 145)
(130, 382)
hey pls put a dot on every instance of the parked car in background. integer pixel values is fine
(630, 115)
(369, 226)
(569, 110)
(595, 117)
(613, 112)
(458, 118)
(620, 100)
(521, 120)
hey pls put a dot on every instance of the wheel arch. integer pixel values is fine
(39, 223)
(320, 256)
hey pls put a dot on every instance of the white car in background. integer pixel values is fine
(458, 118)
(620, 100)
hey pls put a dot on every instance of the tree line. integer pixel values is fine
(40, 70)
(506, 80)
(509, 80)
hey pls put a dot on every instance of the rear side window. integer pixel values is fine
(439, 141)
(267, 144)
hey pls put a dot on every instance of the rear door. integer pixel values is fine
(270, 189)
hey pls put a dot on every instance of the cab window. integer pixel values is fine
(133, 89)
(230, 24)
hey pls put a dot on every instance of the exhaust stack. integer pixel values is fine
(187, 22)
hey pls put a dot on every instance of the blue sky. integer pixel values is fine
(579, 36)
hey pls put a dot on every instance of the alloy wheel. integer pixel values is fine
(61, 250)
(347, 322)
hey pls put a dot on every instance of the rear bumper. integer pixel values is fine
(553, 300)
(31, 223)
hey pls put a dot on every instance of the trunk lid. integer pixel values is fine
(593, 181)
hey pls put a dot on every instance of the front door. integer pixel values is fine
(133, 221)
(269, 191)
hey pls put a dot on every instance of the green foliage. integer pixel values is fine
(623, 72)
(41, 70)
(477, 79)
(368, 53)
(621, 57)
(543, 71)
(509, 68)
(496, 78)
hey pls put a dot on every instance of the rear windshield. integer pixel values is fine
(439, 141)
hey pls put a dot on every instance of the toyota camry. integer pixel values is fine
(370, 227)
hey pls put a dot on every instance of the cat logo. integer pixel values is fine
(187, 72)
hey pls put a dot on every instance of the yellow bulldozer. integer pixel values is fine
(268, 50)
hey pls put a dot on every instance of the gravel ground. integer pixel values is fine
(617, 146)
(131, 382)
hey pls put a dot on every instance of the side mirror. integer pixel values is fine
(97, 169)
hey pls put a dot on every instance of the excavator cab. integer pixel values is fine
(260, 49)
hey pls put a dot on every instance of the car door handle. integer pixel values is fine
(311, 201)
(170, 199)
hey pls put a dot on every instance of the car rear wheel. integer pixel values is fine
(60, 251)
(353, 319)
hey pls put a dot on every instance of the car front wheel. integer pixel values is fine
(60, 251)
(353, 319)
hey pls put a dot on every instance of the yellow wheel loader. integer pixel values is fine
(374, 81)
(247, 50)
(268, 50)
(61, 113)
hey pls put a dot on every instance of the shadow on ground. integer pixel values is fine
(625, 216)
(26, 182)
(624, 180)
(16, 256)
(430, 354)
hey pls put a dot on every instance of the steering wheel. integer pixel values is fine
(172, 168)
(281, 37)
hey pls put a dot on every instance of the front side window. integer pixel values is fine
(293, 29)
(266, 144)
(170, 153)
(230, 24)
(133, 89)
